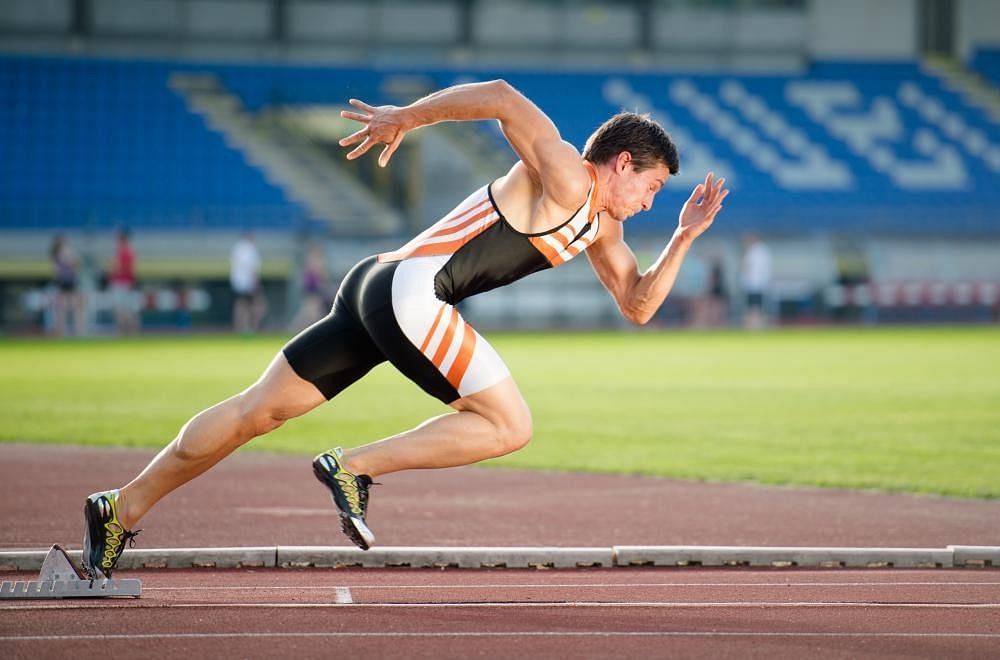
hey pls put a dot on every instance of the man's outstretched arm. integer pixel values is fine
(554, 163)
(640, 295)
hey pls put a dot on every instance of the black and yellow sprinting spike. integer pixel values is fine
(350, 495)
(104, 536)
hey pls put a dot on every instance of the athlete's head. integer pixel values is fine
(641, 157)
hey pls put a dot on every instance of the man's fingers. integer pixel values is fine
(362, 148)
(358, 103)
(389, 150)
(696, 193)
(353, 137)
(717, 190)
(356, 116)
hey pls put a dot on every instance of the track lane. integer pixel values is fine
(499, 613)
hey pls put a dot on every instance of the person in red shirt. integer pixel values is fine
(122, 282)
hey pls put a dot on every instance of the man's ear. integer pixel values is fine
(622, 162)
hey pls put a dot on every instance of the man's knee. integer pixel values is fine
(257, 416)
(514, 430)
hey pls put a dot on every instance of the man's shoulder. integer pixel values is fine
(567, 187)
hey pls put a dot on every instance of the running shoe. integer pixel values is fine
(350, 495)
(104, 537)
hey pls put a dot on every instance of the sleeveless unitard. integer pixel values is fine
(400, 306)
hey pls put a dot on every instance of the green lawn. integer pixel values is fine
(913, 410)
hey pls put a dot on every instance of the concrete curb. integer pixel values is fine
(959, 556)
(784, 557)
(457, 557)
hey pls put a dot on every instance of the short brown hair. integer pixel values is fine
(637, 134)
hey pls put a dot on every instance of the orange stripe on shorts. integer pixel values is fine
(464, 357)
(430, 333)
(445, 344)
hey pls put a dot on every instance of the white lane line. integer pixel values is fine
(523, 633)
(630, 585)
(515, 605)
(344, 595)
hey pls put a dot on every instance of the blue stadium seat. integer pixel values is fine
(986, 61)
(842, 147)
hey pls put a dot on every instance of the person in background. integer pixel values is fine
(756, 280)
(314, 284)
(711, 307)
(122, 281)
(68, 298)
(244, 278)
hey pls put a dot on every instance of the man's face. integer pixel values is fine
(634, 190)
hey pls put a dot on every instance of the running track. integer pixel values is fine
(260, 499)
(618, 612)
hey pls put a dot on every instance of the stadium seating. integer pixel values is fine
(99, 143)
(843, 147)
(986, 62)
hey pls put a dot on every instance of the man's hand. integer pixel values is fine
(383, 124)
(700, 209)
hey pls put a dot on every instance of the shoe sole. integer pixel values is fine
(357, 531)
(92, 525)
(354, 528)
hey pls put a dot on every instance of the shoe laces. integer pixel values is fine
(130, 537)
(364, 483)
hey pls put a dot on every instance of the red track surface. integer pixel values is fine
(522, 613)
(258, 499)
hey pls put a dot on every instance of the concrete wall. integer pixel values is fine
(518, 32)
(977, 25)
(863, 29)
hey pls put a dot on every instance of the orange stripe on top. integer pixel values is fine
(477, 205)
(438, 229)
(445, 344)
(558, 257)
(546, 249)
(463, 224)
(432, 249)
(464, 357)
(430, 333)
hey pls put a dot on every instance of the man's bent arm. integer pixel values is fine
(554, 163)
(638, 296)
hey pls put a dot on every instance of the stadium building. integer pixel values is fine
(861, 142)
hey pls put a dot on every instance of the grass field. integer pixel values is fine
(914, 410)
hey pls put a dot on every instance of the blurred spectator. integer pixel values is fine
(314, 288)
(249, 305)
(122, 283)
(712, 306)
(755, 278)
(68, 298)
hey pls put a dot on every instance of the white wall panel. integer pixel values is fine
(130, 16)
(516, 23)
(229, 18)
(595, 24)
(978, 25)
(433, 23)
(323, 20)
(863, 29)
(36, 15)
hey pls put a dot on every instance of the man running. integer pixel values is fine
(400, 306)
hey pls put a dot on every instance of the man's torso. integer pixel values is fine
(487, 248)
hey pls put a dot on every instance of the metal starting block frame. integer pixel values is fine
(59, 578)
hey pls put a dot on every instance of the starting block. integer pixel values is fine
(59, 578)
